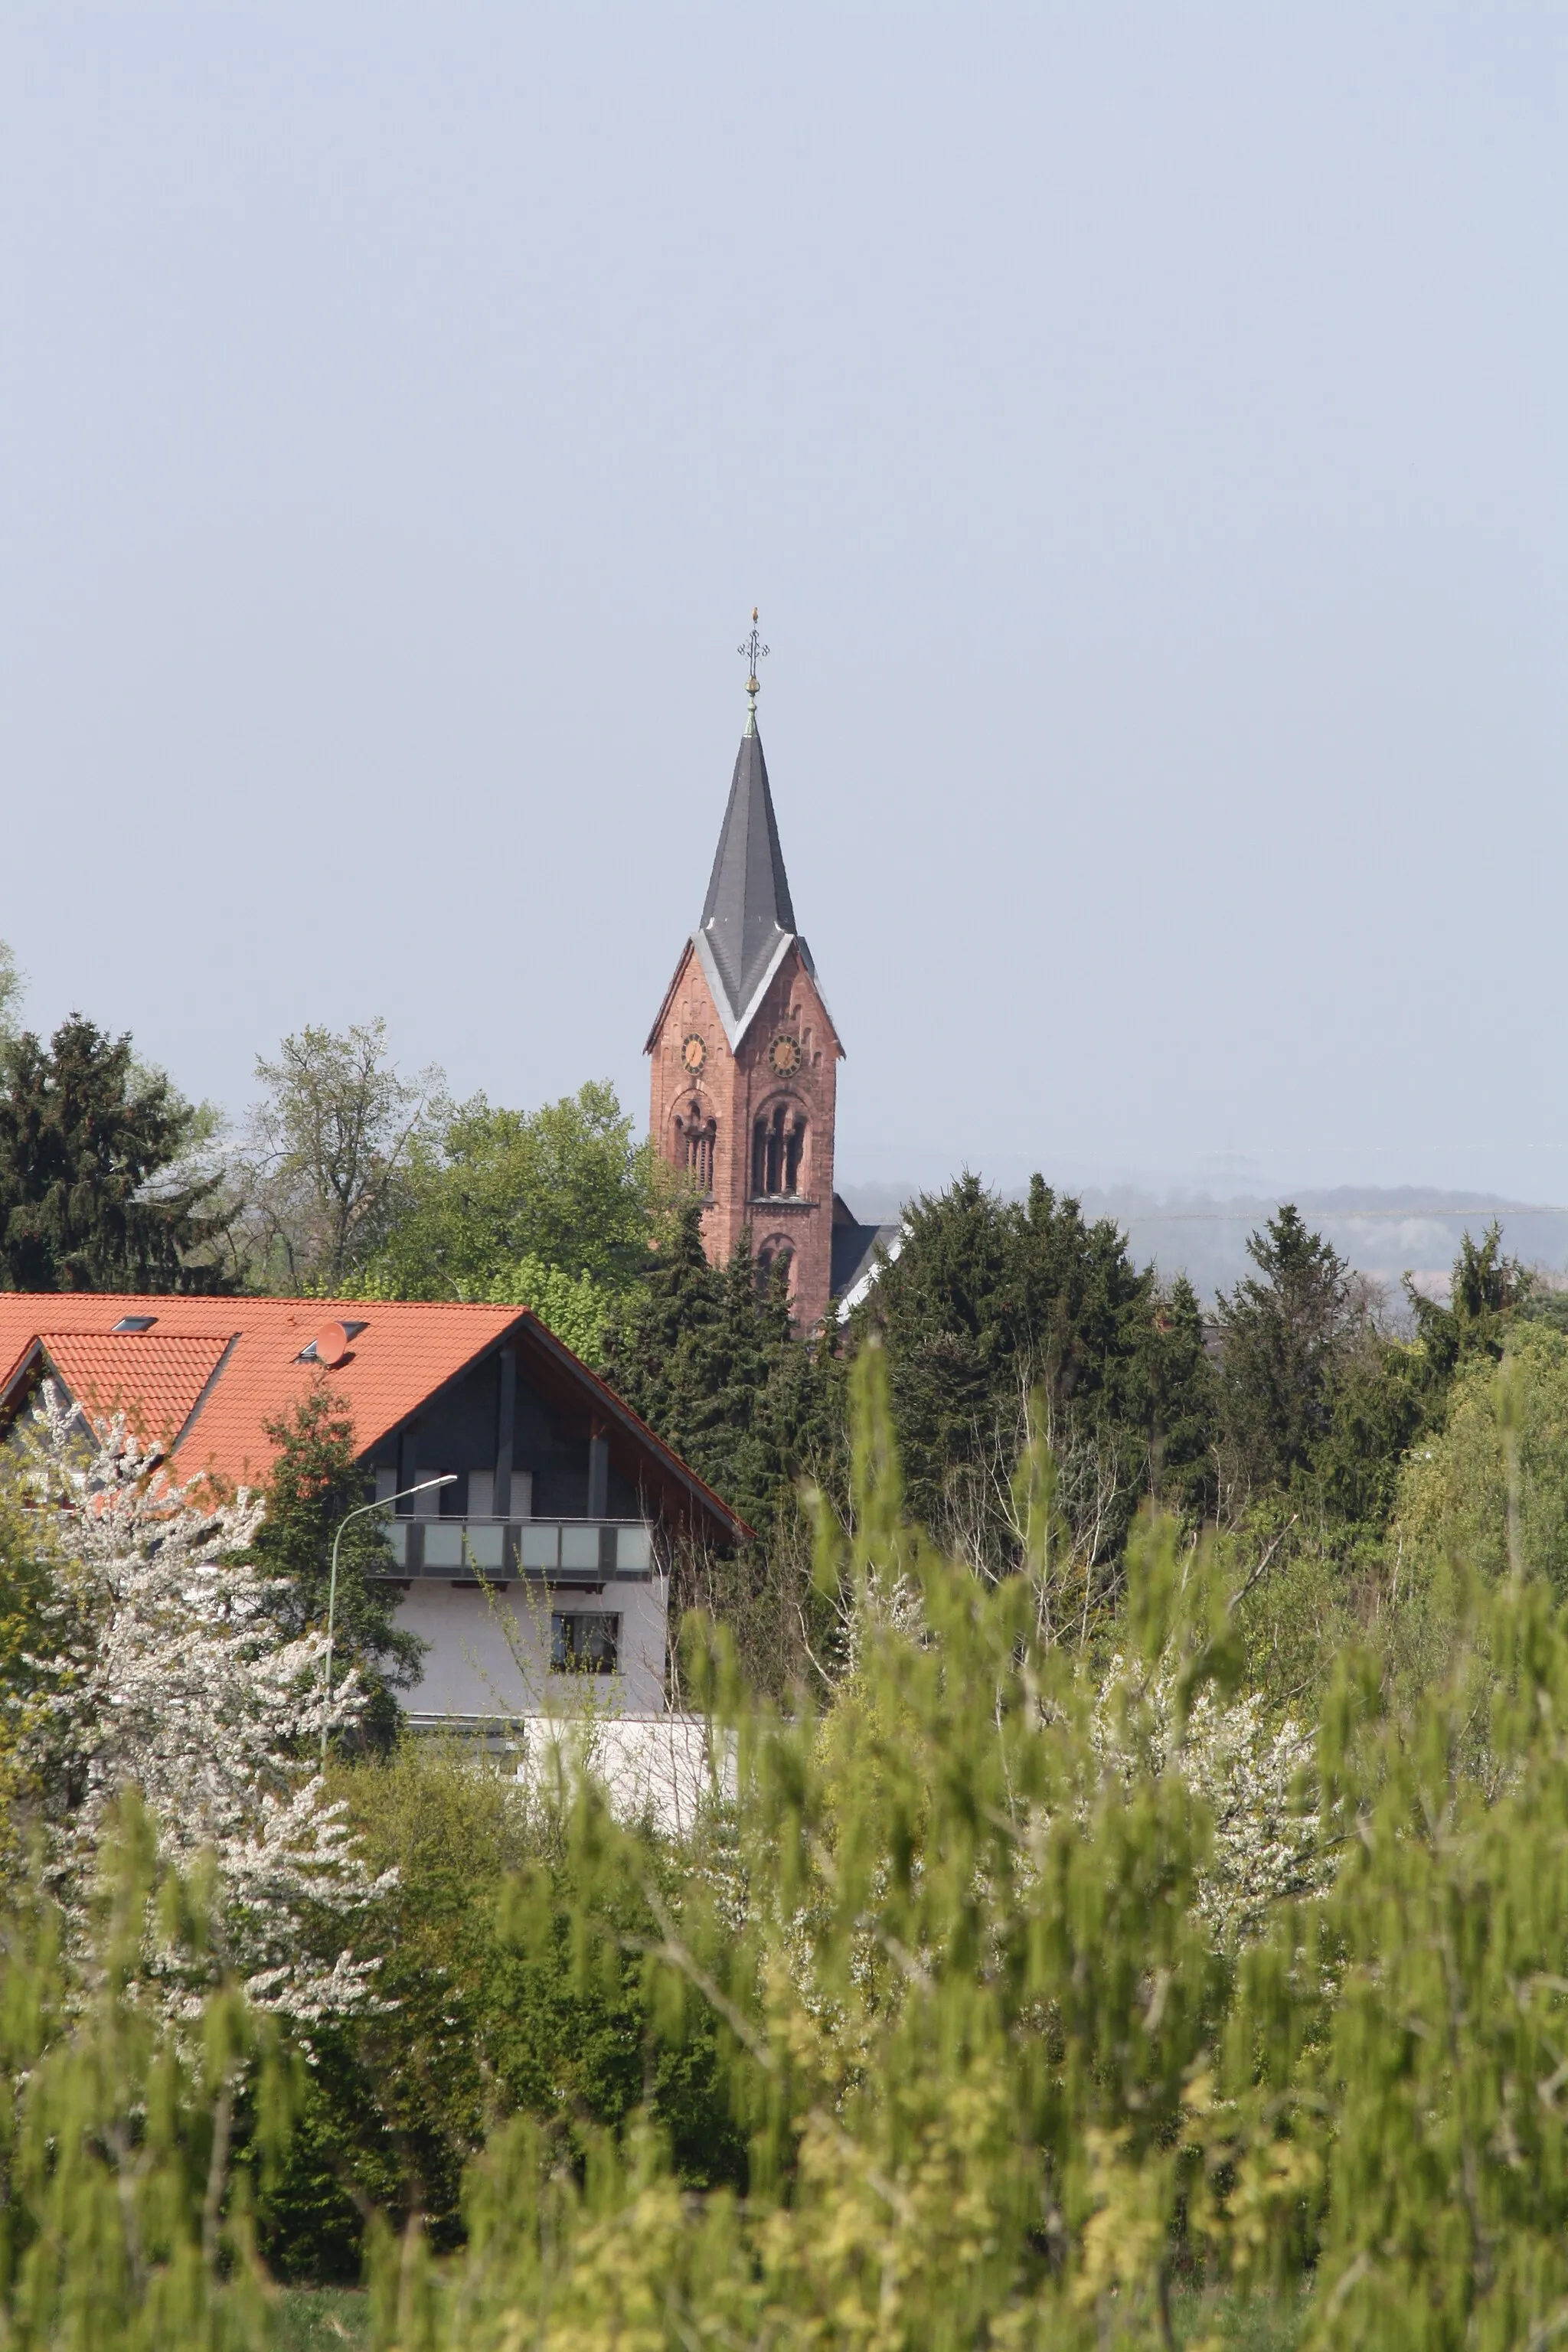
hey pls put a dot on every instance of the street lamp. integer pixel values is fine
(450, 1478)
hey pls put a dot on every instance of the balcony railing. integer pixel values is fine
(556, 1551)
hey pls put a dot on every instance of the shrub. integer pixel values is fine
(999, 2084)
(491, 2010)
(996, 2002)
(120, 2226)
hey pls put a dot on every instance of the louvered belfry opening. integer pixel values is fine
(697, 1132)
(778, 1153)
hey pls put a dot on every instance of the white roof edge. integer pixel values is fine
(736, 1029)
(811, 972)
(868, 1282)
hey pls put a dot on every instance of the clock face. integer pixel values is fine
(784, 1056)
(693, 1054)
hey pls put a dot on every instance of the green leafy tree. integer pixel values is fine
(1003, 1995)
(316, 1482)
(929, 1933)
(574, 1307)
(1419, 2120)
(489, 2016)
(119, 2223)
(97, 1189)
(1489, 1487)
(321, 1178)
(565, 1186)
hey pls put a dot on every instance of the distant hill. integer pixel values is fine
(1383, 1233)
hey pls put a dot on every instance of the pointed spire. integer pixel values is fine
(747, 916)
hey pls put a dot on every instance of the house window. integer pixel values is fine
(482, 1496)
(778, 1153)
(434, 1500)
(696, 1135)
(583, 1642)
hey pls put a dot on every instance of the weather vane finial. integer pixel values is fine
(754, 651)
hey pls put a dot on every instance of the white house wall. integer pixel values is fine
(488, 1654)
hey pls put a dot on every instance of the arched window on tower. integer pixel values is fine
(696, 1135)
(778, 1153)
(774, 1255)
(795, 1153)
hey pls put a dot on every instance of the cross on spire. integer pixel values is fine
(754, 651)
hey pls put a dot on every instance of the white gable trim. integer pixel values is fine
(736, 1029)
(868, 1282)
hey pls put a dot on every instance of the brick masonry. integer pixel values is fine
(736, 1089)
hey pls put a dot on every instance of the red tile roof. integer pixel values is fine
(155, 1378)
(214, 1370)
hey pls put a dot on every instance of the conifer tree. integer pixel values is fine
(92, 1196)
(1182, 1404)
(1488, 1292)
(1287, 1331)
(665, 1353)
(992, 1304)
(708, 1356)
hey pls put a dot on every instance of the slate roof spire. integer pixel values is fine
(748, 919)
(747, 916)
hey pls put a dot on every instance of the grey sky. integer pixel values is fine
(1143, 429)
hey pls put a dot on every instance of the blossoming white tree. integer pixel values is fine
(1253, 1777)
(168, 1675)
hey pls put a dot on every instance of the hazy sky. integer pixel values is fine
(1143, 428)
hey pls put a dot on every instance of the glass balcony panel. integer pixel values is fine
(539, 1538)
(397, 1536)
(485, 1544)
(579, 1546)
(634, 1551)
(442, 1543)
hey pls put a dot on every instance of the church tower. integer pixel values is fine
(745, 1053)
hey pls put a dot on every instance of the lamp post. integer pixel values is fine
(450, 1478)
